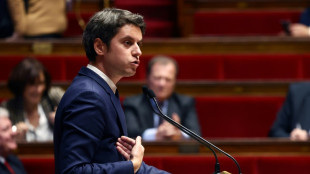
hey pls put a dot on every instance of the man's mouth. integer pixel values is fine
(137, 62)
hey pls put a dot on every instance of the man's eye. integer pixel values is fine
(128, 43)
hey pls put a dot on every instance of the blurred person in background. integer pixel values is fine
(301, 29)
(38, 18)
(161, 78)
(293, 119)
(32, 110)
(9, 163)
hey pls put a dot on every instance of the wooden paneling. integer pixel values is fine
(254, 146)
(195, 88)
(198, 45)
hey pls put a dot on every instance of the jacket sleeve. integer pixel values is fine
(281, 126)
(146, 169)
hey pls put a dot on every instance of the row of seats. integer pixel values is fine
(199, 164)
(248, 22)
(201, 23)
(236, 116)
(161, 24)
(192, 67)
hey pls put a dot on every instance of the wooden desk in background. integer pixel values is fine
(193, 45)
(239, 147)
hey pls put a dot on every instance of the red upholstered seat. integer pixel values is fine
(262, 67)
(39, 165)
(238, 66)
(53, 64)
(290, 164)
(73, 64)
(192, 67)
(160, 15)
(198, 67)
(7, 63)
(247, 22)
(73, 27)
(237, 116)
(305, 70)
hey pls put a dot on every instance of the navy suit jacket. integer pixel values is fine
(295, 110)
(88, 121)
(15, 164)
(139, 114)
(305, 17)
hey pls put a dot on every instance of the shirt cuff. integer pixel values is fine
(149, 134)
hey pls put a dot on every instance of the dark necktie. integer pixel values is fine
(116, 93)
(160, 104)
(9, 167)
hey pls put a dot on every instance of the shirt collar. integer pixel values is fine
(103, 76)
(2, 160)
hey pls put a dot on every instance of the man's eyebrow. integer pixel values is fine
(130, 38)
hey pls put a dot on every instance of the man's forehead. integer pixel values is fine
(130, 31)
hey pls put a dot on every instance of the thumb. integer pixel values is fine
(138, 140)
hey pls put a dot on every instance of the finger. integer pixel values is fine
(125, 144)
(121, 151)
(123, 147)
(119, 145)
(138, 140)
(176, 117)
(128, 140)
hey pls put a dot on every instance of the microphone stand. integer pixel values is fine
(150, 94)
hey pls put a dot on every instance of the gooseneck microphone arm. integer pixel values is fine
(150, 94)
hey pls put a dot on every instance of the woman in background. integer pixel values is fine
(32, 110)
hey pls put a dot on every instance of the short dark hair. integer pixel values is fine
(26, 72)
(105, 25)
(162, 60)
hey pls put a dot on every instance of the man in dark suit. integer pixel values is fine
(161, 78)
(90, 128)
(9, 163)
(293, 119)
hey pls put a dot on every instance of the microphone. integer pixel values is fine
(151, 96)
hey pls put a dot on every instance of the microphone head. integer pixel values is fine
(148, 92)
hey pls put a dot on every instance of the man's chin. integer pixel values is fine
(12, 146)
(130, 74)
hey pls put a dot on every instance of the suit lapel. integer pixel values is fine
(147, 112)
(172, 107)
(114, 99)
(118, 107)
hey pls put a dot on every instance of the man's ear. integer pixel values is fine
(99, 47)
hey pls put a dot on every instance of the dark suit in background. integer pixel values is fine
(295, 111)
(305, 17)
(88, 122)
(139, 114)
(15, 164)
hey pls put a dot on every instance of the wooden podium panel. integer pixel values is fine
(154, 46)
(240, 147)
